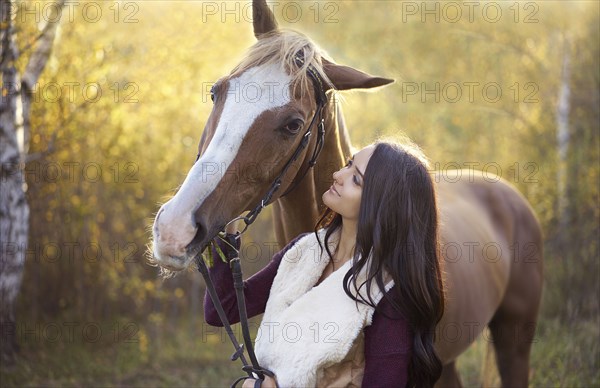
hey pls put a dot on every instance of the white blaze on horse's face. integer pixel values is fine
(257, 90)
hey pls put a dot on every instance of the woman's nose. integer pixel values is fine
(336, 176)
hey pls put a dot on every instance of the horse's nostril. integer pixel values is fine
(155, 225)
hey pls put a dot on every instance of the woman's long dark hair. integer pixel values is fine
(398, 228)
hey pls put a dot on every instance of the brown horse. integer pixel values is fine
(491, 239)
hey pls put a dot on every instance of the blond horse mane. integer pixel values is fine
(281, 47)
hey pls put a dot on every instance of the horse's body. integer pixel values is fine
(491, 240)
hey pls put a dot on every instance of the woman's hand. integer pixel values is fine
(268, 382)
(232, 228)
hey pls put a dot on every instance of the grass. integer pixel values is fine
(189, 353)
(563, 355)
(193, 357)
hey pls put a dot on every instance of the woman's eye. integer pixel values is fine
(356, 181)
(212, 94)
(293, 126)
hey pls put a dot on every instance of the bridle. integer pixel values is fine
(321, 99)
(254, 369)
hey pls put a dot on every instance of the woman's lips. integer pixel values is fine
(332, 188)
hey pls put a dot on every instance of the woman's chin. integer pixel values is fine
(326, 198)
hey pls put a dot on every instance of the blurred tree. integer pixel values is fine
(15, 108)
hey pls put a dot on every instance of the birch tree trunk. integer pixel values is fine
(15, 104)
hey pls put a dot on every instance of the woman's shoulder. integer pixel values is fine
(299, 237)
(387, 316)
(291, 245)
(293, 242)
(308, 239)
(390, 331)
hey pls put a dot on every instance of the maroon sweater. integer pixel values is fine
(387, 340)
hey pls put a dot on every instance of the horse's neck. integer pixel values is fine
(299, 211)
(336, 151)
(342, 133)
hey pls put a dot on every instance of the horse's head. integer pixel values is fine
(261, 112)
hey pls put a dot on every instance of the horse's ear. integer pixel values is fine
(346, 78)
(262, 18)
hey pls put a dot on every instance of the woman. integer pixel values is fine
(355, 303)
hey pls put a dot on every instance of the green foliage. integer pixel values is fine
(207, 255)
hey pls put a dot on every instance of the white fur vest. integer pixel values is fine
(307, 328)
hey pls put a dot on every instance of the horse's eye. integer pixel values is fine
(294, 126)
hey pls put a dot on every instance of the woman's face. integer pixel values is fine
(344, 195)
